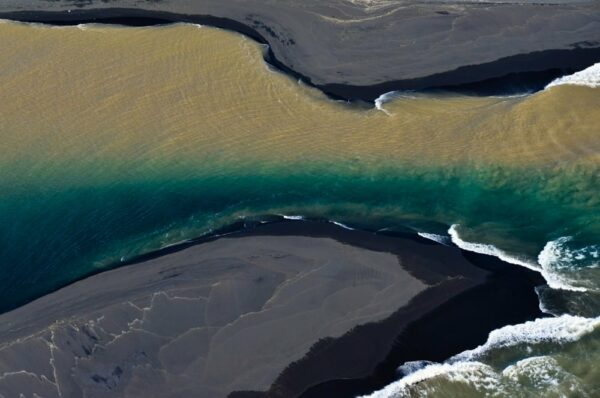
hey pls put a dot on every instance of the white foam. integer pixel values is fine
(339, 224)
(389, 96)
(563, 256)
(557, 257)
(544, 373)
(412, 366)
(510, 96)
(479, 375)
(554, 258)
(382, 99)
(541, 304)
(441, 239)
(562, 329)
(490, 250)
(292, 217)
(299, 217)
(465, 367)
(589, 77)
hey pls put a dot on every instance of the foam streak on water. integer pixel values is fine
(468, 369)
(382, 99)
(561, 264)
(557, 264)
(118, 141)
(339, 224)
(489, 250)
(561, 329)
(441, 239)
(292, 217)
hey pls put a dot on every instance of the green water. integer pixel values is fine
(57, 234)
(116, 142)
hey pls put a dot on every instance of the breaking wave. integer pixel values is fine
(562, 329)
(490, 250)
(390, 96)
(561, 262)
(589, 77)
(542, 373)
(441, 239)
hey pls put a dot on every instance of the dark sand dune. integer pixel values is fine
(241, 313)
(361, 49)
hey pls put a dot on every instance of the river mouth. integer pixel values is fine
(119, 144)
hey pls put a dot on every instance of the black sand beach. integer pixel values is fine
(372, 303)
(357, 52)
(299, 308)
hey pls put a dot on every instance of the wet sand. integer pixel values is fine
(148, 329)
(360, 50)
(121, 151)
(285, 308)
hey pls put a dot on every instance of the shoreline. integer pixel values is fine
(278, 306)
(466, 316)
(468, 300)
(515, 74)
(247, 227)
(461, 323)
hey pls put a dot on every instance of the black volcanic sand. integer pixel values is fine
(464, 321)
(293, 308)
(353, 51)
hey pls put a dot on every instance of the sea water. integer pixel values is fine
(115, 142)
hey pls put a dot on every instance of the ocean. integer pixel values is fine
(119, 141)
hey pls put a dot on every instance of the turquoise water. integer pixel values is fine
(102, 160)
(54, 236)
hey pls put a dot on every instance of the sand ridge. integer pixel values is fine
(222, 316)
(363, 43)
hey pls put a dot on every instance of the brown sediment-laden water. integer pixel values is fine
(119, 141)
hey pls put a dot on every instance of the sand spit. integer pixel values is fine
(410, 45)
(211, 319)
(282, 310)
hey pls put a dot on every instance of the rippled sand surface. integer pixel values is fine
(101, 119)
(117, 141)
(104, 124)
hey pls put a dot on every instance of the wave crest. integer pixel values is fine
(441, 239)
(560, 261)
(542, 373)
(563, 329)
(589, 77)
(489, 250)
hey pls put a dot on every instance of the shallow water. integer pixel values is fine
(119, 141)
